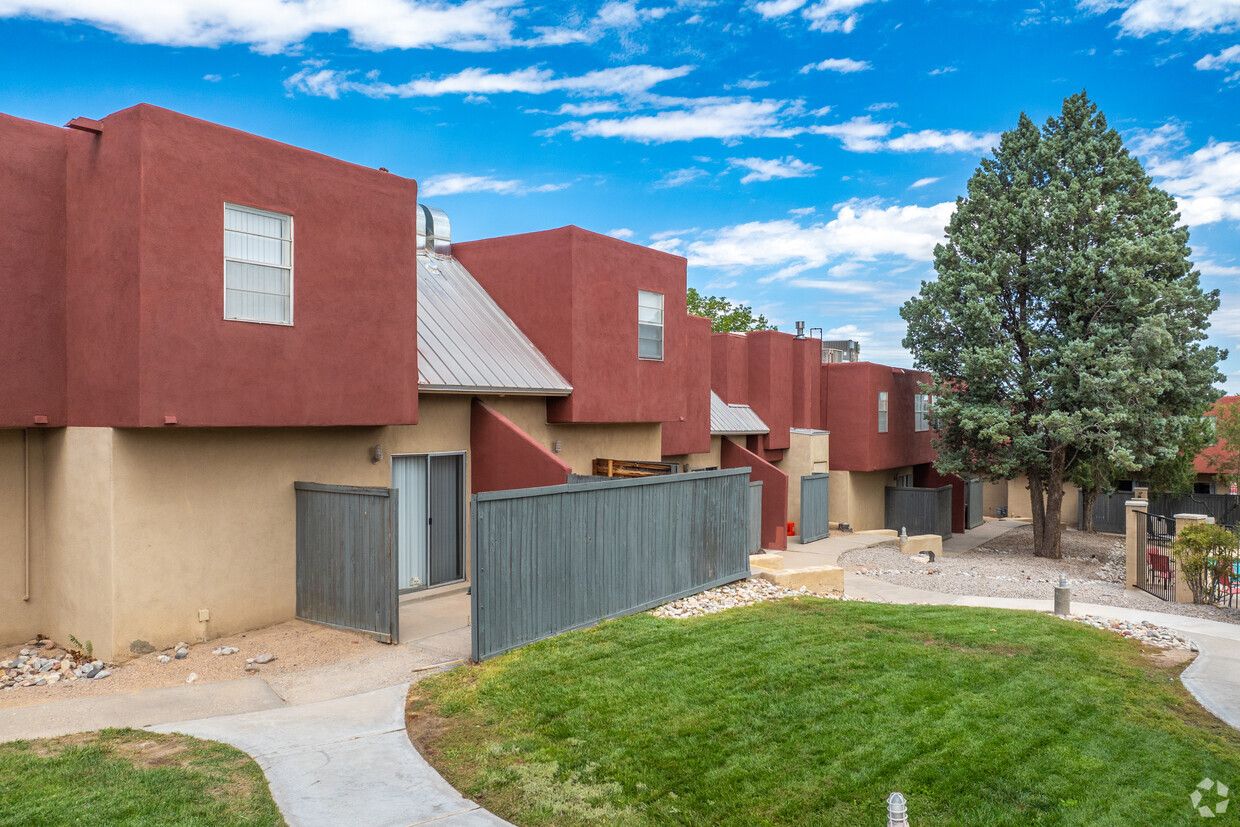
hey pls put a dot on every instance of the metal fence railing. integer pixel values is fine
(1109, 508)
(1155, 565)
(1225, 576)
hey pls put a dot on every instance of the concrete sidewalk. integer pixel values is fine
(1213, 678)
(343, 761)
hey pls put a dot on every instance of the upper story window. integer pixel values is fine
(882, 412)
(921, 412)
(649, 325)
(258, 265)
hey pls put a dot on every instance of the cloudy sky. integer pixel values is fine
(804, 155)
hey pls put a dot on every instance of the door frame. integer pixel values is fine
(461, 513)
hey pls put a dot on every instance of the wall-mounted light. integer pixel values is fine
(376, 453)
(555, 447)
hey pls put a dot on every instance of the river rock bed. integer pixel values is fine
(42, 663)
(1144, 631)
(741, 593)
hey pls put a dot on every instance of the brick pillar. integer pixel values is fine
(1133, 525)
(1183, 594)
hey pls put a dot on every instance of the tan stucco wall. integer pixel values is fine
(709, 459)
(581, 444)
(994, 495)
(807, 454)
(859, 499)
(1018, 501)
(19, 619)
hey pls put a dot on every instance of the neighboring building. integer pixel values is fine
(1211, 462)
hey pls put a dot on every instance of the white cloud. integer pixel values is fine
(212, 78)
(1224, 59)
(1216, 270)
(454, 184)
(621, 232)
(726, 121)
(613, 16)
(1145, 17)
(953, 140)
(1205, 183)
(823, 16)
(859, 230)
(272, 26)
(803, 211)
(317, 80)
(848, 331)
(578, 110)
(663, 235)
(751, 83)
(680, 177)
(862, 134)
(879, 107)
(923, 182)
(845, 287)
(764, 169)
(843, 65)
(942, 70)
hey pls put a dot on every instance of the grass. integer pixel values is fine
(811, 712)
(132, 777)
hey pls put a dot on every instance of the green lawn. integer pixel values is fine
(809, 711)
(131, 777)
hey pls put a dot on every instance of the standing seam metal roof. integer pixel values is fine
(467, 344)
(734, 419)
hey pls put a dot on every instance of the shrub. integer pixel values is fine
(1206, 554)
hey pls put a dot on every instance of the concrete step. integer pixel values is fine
(817, 579)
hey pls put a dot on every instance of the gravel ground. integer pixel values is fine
(297, 646)
(1005, 567)
(741, 593)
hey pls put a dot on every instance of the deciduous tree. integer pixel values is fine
(726, 317)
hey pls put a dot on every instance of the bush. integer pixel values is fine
(1206, 554)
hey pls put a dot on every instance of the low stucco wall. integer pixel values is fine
(1018, 502)
(859, 497)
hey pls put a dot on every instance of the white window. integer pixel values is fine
(649, 325)
(882, 412)
(921, 412)
(258, 265)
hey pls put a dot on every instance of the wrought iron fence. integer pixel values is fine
(1155, 565)
(1225, 575)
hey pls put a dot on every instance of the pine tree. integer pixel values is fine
(1066, 320)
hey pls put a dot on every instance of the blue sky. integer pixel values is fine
(803, 154)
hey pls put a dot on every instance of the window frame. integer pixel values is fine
(883, 412)
(641, 295)
(921, 412)
(287, 217)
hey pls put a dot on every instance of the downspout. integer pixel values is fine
(26, 519)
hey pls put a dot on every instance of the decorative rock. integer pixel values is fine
(101, 674)
(49, 644)
(225, 650)
(53, 678)
(182, 654)
(164, 659)
(41, 682)
(193, 676)
(742, 593)
(265, 658)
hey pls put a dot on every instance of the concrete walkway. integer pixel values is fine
(343, 761)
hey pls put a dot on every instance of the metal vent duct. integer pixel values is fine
(434, 231)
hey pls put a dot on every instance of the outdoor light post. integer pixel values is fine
(1063, 597)
(897, 813)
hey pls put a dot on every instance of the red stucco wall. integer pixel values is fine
(850, 403)
(505, 457)
(806, 381)
(729, 367)
(32, 271)
(574, 293)
(774, 491)
(770, 384)
(144, 336)
(691, 435)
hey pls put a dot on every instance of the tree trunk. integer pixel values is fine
(1046, 502)
(1088, 500)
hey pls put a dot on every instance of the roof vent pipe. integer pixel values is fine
(800, 330)
(434, 231)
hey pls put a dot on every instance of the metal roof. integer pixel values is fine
(467, 344)
(734, 420)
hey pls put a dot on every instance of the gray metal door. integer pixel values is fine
(447, 476)
(973, 515)
(815, 507)
(346, 561)
(755, 516)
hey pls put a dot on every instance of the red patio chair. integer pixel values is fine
(1160, 566)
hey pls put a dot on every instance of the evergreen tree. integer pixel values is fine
(1066, 321)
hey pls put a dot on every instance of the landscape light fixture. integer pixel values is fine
(897, 813)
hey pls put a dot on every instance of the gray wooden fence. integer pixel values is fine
(755, 516)
(974, 515)
(547, 560)
(1109, 508)
(815, 507)
(920, 510)
(346, 560)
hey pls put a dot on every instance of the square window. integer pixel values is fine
(649, 325)
(258, 265)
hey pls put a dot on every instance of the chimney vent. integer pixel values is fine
(800, 330)
(434, 231)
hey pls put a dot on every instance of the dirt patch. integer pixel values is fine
(297, 646)
(1172, 659)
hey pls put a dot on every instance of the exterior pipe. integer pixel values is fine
(26, 519)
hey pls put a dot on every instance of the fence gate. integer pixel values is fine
(973, 501)
(920, 510)
(755, 516)
(815, 507)
(547, 560)
(346, 560)
(1155, 565)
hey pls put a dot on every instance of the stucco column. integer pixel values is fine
(1183, 594)
(1134, 523)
